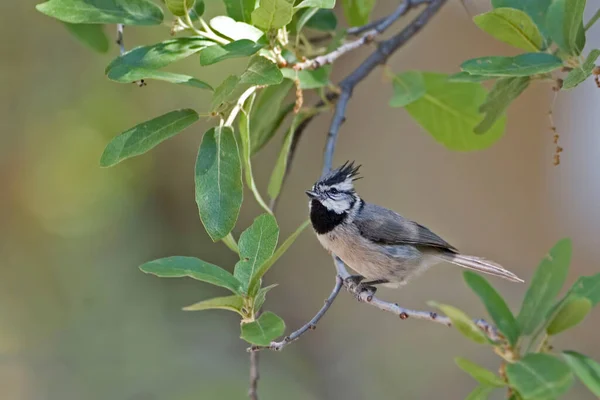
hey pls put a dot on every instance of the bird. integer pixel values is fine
(382, 246)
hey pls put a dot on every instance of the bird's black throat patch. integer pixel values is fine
(324, 220)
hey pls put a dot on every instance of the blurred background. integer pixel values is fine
(78, 320)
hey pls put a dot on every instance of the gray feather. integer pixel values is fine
(386, 227)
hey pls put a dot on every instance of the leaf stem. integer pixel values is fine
(209, 34)
(239, 105)
(231, 243)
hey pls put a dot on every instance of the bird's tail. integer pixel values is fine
(480, 265)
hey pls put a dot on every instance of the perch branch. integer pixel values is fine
(254, 376)
(371, 31)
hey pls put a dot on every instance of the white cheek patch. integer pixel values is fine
(337, 206)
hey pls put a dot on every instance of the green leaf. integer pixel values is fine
(571, 313)
(232, 303)
(92, 35)
(278, 174)
(239, 48)
(146, 136)
(480, 374)
(322, 20)
(503, 93)
(309, 78)
(578, 75)
(197, 11)
(261, 296)
(128, 12)
(408, 87)
(262, 270)
(586, 369)
(480, 393)
(539, 376)
(565, 24)
(257, 244)
(495, 306)
(357, 12)
(545, 286)
(225, 92)
(180, 7)
(588, 287)
(268, 113)
(522, 65)
(462, 322)
(261, 72)
(272, 14)
(316, 3)
(240, 10)
(264, 330)
(158, 55)
(463, 76)
(536, 9)
(246, 141)
(127, 74)
(235, 30)
(219, 184)
(513, 27)
(456, 107)
(179, 267)
(592, 20)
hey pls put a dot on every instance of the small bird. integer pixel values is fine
(381, 245)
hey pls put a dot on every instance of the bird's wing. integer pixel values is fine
(387, 227)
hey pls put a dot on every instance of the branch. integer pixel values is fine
(371, 30)
(121, 42)
(310, 325)
(254, 376)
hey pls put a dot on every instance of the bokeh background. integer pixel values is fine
(78, 320)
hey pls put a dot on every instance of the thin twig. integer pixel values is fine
(254, 376)
(310, 325)
(377, 28)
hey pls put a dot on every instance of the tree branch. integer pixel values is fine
(254, 376)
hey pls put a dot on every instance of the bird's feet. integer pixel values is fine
(361, 291)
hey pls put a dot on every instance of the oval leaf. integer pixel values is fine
(408, 87)
(261, 72)
(239, 48)
(357, 12)
(180, 7)
(179, 267)
(522, 65)
(219, 181)
(262, 270)
(127, 74)
(588, 287)
(480, 374)
(231, 303)
(578, 75)
(539, 376)
(146, 136)
(235, 30)
(503, 93)
(536, 9)
(462, 322)
(240, 10)
(511, 26)
(545, 286)
(495, 306)
(456, 107)
(92, 35)
(272, 14)
(128, 12)
(571, 313)
(256, 244)
(586, 369)
(564, 21)
(158, 55)
(264, 330)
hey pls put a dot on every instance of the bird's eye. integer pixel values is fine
(333, 191)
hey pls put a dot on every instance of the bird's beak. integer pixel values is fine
(311, 194)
